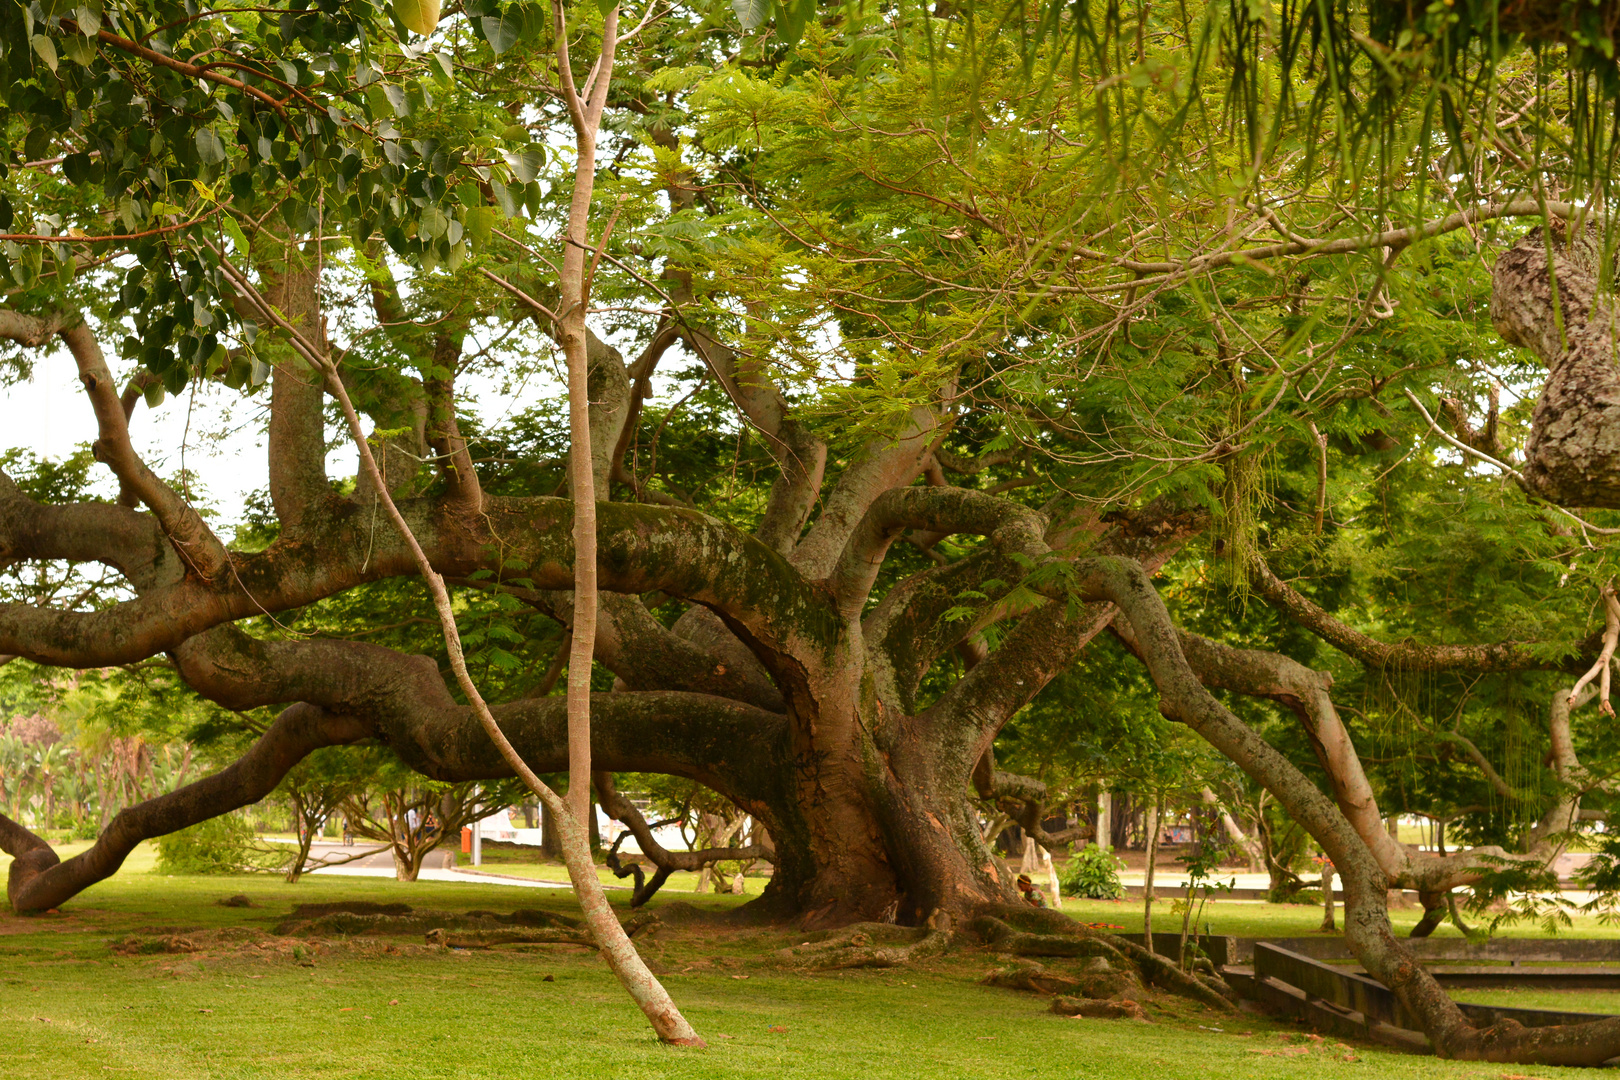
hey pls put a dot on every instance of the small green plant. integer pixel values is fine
(221, 845)
(1093, 874)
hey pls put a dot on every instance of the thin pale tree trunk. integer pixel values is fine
(573, 287)
(615, 945)
(1147, 880)
(1328, 924)
(306, 837)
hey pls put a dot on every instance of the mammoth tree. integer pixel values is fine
(979, 413)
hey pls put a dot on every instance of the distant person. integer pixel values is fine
(348, 833)
(1032, 895)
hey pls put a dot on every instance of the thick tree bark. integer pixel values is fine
(1546, 296)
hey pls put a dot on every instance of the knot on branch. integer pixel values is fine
(1550, 294)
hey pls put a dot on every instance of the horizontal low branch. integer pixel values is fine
(39, 881)
(682, 553)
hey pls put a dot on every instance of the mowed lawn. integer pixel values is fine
(72, 1007)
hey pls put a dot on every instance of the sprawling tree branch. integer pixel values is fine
(39, 880)
(1367, 930)
(642, 549)
(622, 810)
(1010, 527)
(881, 466)
(297, 430)
(193, 539)
(1024, 800)
(1497, 656)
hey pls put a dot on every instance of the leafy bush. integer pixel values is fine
(1093, 874)
(221, 845)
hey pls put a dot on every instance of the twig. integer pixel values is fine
(1510, 470)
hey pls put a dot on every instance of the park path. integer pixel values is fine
(435, 867)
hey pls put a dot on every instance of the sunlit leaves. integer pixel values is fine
(419, 16)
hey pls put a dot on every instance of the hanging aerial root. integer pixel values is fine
(877, 945)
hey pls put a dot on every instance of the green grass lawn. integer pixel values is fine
(1251, 918)
(1604, 1002)
(73, 1008)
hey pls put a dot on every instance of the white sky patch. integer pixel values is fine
(222, 440)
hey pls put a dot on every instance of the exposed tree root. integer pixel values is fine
(303, 912)
(1097, 979)
(348, 920)
(1028, 975)
(1066, 939)
(1102, 1010)
(1019, 943)
(485, 939)
(877, 945)
(244, 942)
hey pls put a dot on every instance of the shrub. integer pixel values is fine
(1093, 874)
(221, 845)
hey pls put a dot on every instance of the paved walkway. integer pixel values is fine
(435, 867)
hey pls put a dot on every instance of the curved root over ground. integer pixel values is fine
(1109, 960)
(877, 945)
(1101, 1010)
(488, 939)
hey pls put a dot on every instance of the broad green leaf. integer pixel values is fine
(433, 223)
(398, 100)
(480, 221)
(791, 18)
(525, 166)
(503, 32)
(79, 50)
(210, 147)
(46, 50)
(504, 199)
(752, 13)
